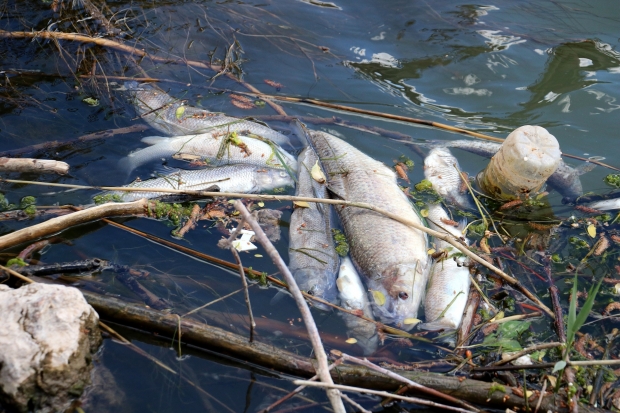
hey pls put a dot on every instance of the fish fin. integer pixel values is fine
(584, 168)
(278, 297)
(441, 324)
(154, 140)
(462, 225)
(160, 170)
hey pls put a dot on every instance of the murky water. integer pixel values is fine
(490, 68)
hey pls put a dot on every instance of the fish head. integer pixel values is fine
(319, 283)
(267, 179)
(397, 294)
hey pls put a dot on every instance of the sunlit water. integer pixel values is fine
(490, 68)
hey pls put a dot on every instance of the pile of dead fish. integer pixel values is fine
(398, 276)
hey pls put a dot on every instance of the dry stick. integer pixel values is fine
(528, 350)
(315, 338)
(42, 166)
(55, 225)
(212, 302)
(354, 404)
(298, 389)
(439, 235)
(379, 393)
(244, 282)
(541, 396)
(410, 383)
(126, 342)
(558, 323)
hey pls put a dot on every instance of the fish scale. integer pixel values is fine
(313, 260)
(232, 178)
(171, 116)
(390, 256)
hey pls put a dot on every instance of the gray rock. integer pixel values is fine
(48, 336)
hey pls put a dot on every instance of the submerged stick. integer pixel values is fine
(313, 332)
(439, 235)
(41, 166)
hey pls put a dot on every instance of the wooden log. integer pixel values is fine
(55, 225)
(41, 166)
(233, 345)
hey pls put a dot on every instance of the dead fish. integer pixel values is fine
(214, 149)
(441, 169)
(232, 178)
(448, 283)
(172, 117)
(606, 204)
(565, 179)
(390, 256)
(313, 260)
(353, 296)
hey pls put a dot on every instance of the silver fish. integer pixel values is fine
(606, 204)
(171, 116)
(313, 260)
(353, 296)
(390, 256)
(565, 179)
(233, 178)
(213, 148)
(448, 283)
(441, 168)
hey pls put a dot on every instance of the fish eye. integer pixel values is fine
(403, 295)
(310, 292)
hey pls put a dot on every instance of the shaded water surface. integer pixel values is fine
(490, 68)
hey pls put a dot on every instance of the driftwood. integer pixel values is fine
(58, 224)
(268, 356)
(41, 166)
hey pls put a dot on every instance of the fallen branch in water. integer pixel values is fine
(439, 235)
(313, 332)
(55, 225)
(42, 166)
(236, 346)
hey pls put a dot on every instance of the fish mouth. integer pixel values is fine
(318, 283)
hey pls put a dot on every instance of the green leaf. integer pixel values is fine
(559, 366)
(587, 306)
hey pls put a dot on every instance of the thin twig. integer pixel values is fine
(313, 333)
(298, 389)
(380, 393)
(212, 302)
(438, 235)
(229, 244)
(354, 404)
(410, 383)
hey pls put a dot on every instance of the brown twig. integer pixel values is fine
(558, 322)
(229, 244)
(315, 338)
(410, 383)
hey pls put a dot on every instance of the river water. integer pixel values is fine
(485, 67)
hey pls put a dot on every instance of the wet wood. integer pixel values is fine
(266, 355)
(40, 166)
(55, 225)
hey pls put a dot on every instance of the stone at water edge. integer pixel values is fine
(48, 336)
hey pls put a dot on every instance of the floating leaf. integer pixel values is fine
(258, 255)
(592, 230)
(424, 213)
(379, 297)
(317, 173)
(351, 340)
(261, 204)
(91, 101)
(431, 251)
(301, 204)
(179, 112)
(559, 366)
(409, 321)
(498, 316)
(552, 380)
